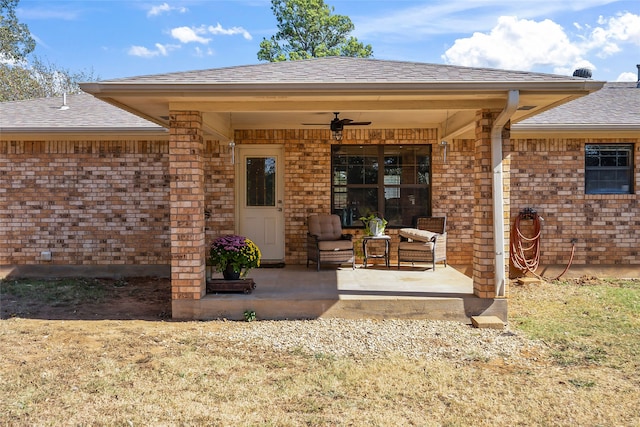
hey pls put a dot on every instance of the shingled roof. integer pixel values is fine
(303, 81)
(84, 113)
(343, 70)
(615, 105)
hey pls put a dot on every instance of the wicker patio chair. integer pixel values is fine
(325, 242)
(426, 243)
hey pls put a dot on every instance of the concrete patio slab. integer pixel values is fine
(297, 292)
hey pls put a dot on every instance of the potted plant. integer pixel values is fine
(373, 224)
(234, 256)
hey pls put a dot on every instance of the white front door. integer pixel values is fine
(260, 179)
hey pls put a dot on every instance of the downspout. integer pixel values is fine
(498, 190)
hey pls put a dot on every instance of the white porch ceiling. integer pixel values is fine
(453, 114)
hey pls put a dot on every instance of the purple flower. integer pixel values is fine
(234, 250)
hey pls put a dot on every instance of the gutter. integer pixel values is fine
(498, 190)
(180, 88)
(574, 127)
(85, 130)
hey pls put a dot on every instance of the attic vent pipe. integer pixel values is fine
(638, 85)
(584, 73)
(64, 102)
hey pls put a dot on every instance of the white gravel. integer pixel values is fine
(419, 339)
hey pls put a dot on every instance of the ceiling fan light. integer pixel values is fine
(337, 135)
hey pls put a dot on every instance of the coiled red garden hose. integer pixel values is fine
(525, 250)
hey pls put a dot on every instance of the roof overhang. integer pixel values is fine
(82, 133)
(449, 106)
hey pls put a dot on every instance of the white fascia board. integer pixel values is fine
(102, 89)
(85, 130)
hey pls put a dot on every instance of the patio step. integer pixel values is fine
(232, 307)
(487, 322)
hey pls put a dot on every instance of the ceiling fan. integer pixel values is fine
(336, 125)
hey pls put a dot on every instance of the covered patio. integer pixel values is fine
(375, 292)
(220, 120)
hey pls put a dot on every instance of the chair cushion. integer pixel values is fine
(415, 246)
(415, 234)
(335, 245)
(325, 227)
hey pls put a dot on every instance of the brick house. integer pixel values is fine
(91, 186)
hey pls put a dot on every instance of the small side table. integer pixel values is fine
(387, 243)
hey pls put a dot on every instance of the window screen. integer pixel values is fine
(609, 168)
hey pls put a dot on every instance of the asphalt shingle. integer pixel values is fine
(615, 104)
(342, 70)
(84, 112)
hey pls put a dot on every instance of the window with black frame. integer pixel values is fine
(609, 169)
(391, 181)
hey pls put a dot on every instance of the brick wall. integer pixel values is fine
(453, 197)
(219, 184)
(548, 176)
(107, 202)
(88, 203)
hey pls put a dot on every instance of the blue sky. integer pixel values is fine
(120, 38)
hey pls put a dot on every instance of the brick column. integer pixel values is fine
(483, 247)
(186, 168)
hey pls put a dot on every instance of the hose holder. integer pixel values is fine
(528, 213)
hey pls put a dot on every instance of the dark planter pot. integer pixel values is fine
(230, 274)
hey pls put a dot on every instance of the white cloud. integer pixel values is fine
(189, 35)
(458, 16)
(518, 44)
(161, 49)
(606, 39)
(157, 10)
(625, 27)
(197, 34)
(164, 8)
(200, 53)
(143, 52)
(522, 44)
(627, 77)
(229, 31)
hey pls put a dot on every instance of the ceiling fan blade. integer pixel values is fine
(350, 123)
(337, 124)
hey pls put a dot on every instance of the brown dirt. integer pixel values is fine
(141, 298)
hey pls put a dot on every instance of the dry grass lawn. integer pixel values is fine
(58, 370)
